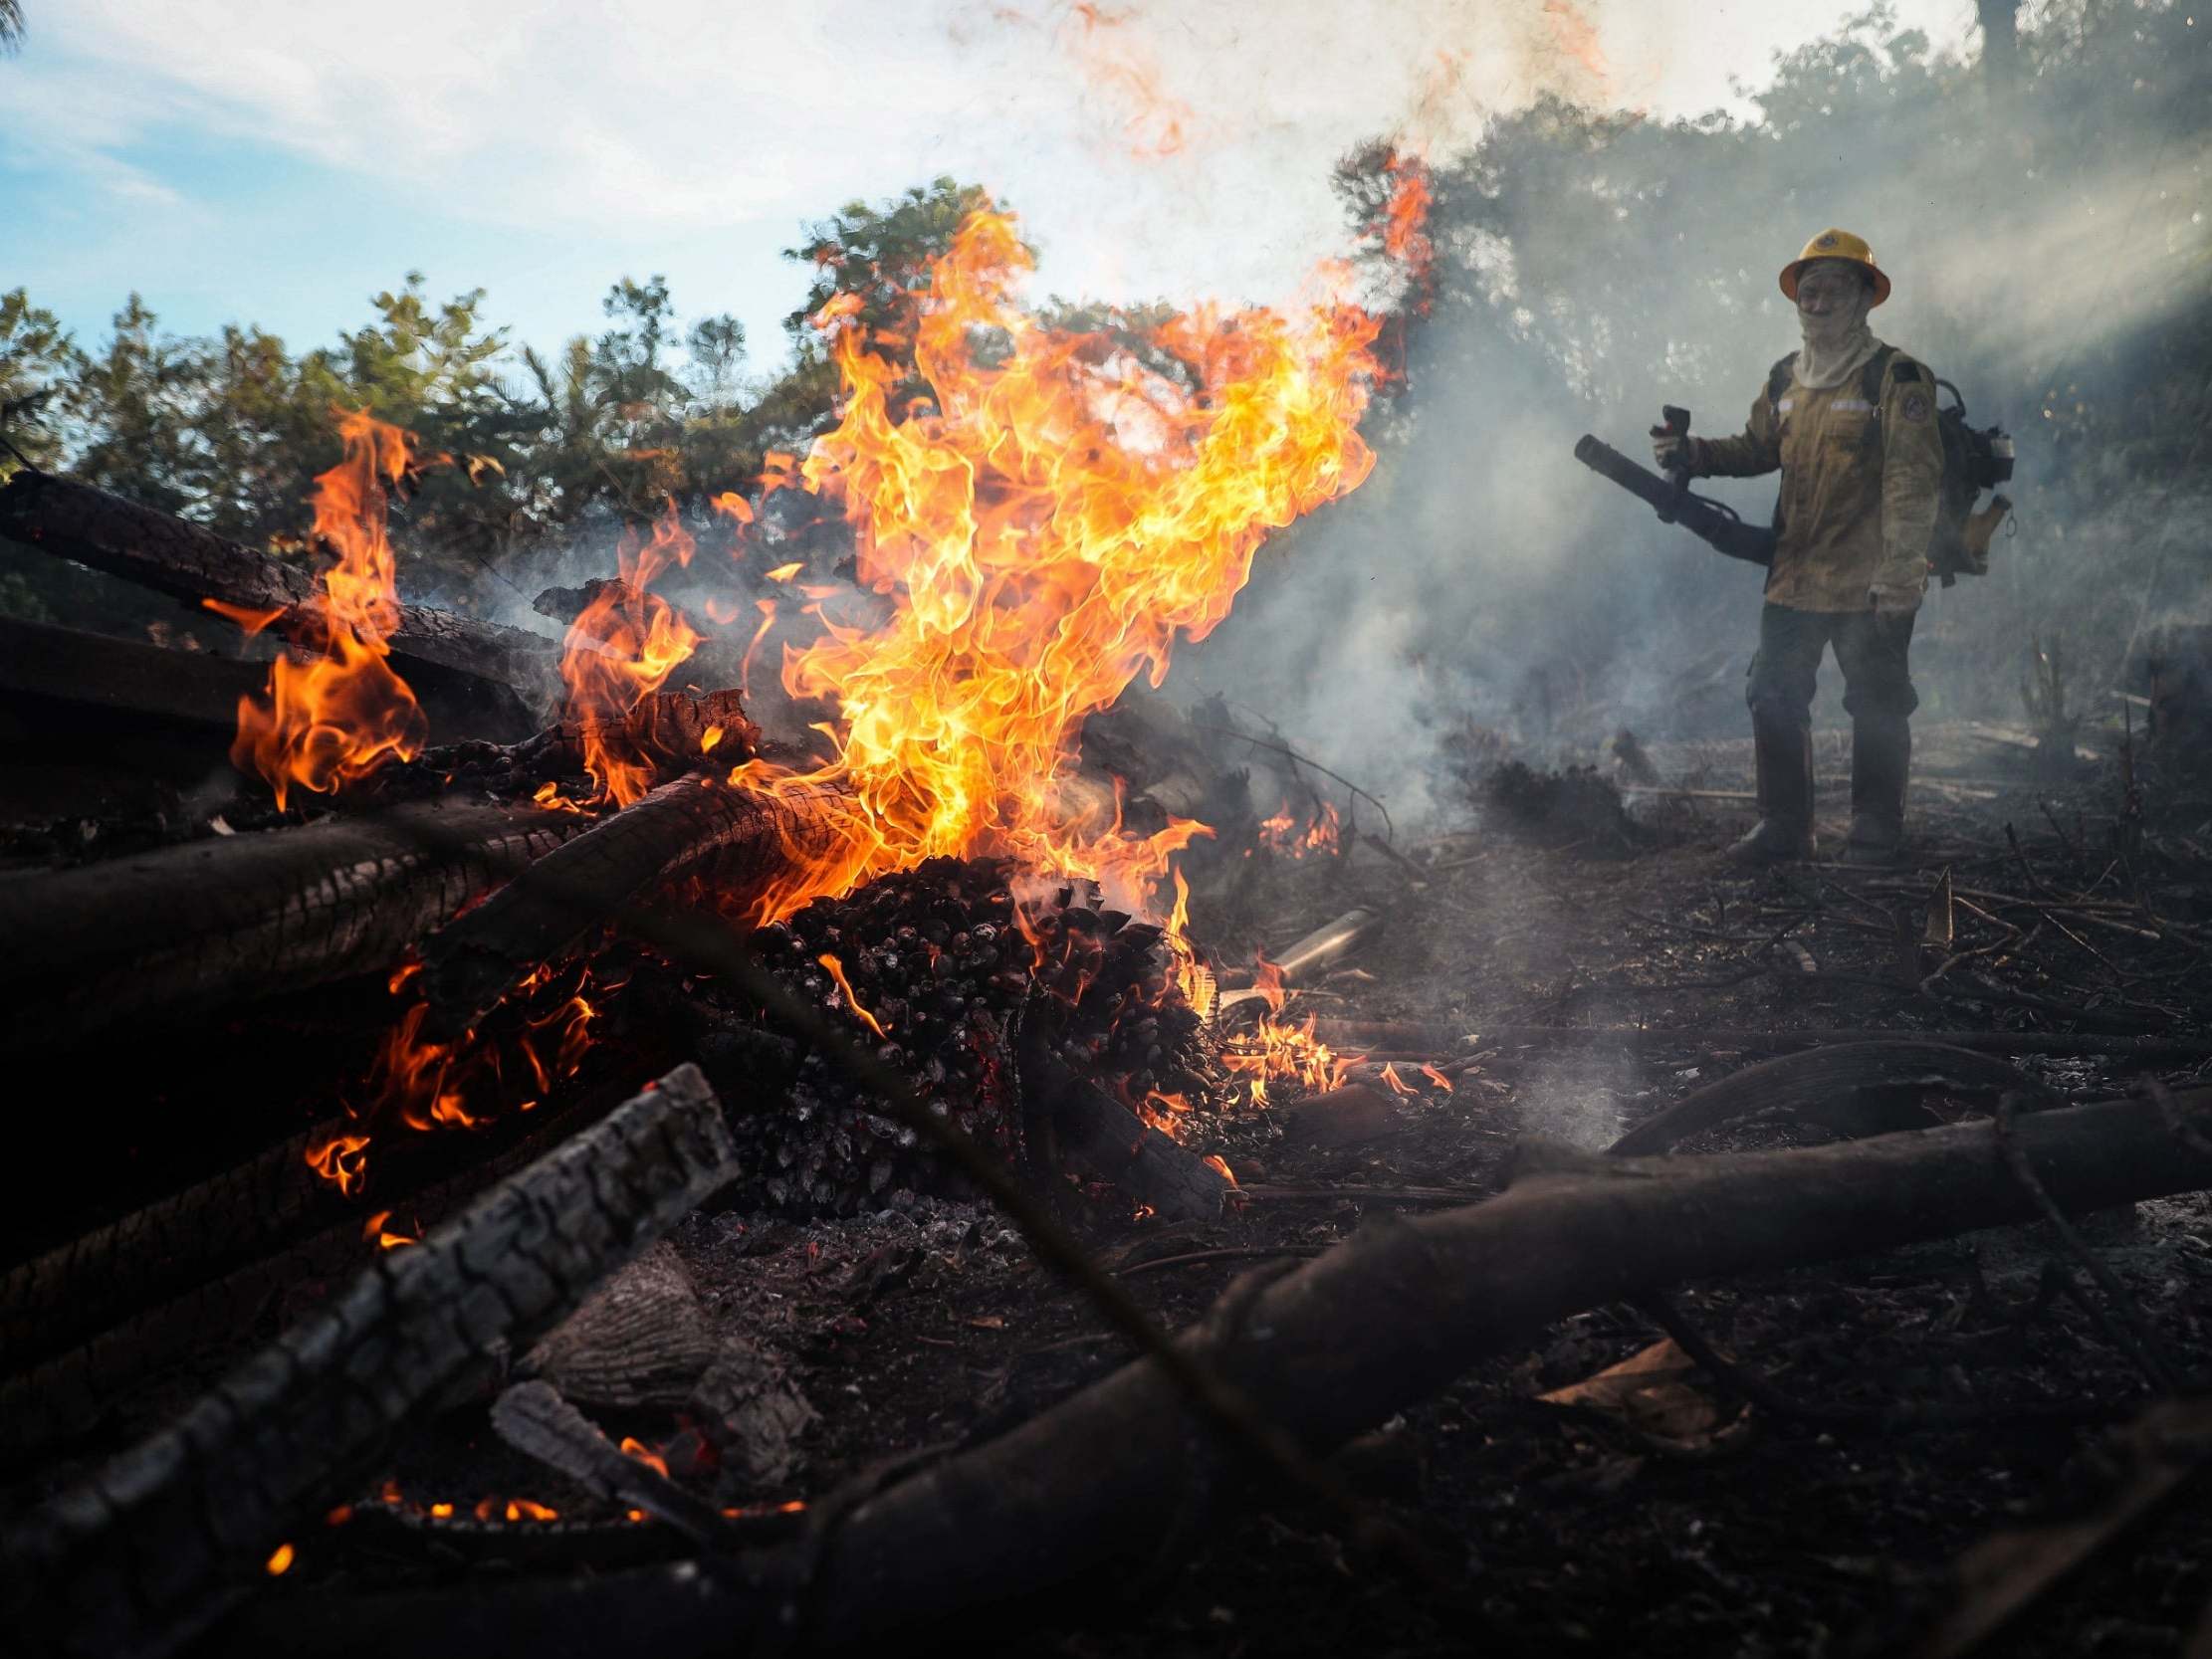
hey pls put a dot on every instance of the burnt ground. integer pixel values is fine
(1957, 1386)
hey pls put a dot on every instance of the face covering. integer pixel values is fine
(1837, 341)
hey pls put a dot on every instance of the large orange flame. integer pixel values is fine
(334, 710)
(1046, 531)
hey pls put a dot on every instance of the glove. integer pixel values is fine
(1670, 449)
(1894, 601)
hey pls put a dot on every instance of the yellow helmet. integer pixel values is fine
(1835, 244)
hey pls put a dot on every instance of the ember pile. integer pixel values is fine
(950, 978)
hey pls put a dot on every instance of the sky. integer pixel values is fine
(280, 161)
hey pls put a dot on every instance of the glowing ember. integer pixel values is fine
(1046, 531)
(644, 1454)
(281, 1561)
(334, 710)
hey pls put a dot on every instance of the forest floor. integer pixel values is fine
(1575, 1526)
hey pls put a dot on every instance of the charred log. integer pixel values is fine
(1361, 1331)
(192, 564)
(236, 919)
(1451, 1039)
(742, 840)
(85, 1322)
(144, 1550)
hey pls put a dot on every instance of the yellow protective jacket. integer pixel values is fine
(1860, 484)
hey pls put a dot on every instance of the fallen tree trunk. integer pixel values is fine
(1449, 1039)
(1815, 1078)
(137, 1556)
(236, 919)
(192, 564)
(741, 840)
(1365, 1331)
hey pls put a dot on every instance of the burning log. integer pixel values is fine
(1099, 1138)
(1363, 1331)
(231, 919)
(86, 1321)
(188, 562)
(141, 1554)
(740, 839)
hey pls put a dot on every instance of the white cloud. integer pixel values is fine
(694, 114)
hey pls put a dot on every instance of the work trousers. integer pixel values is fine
(1870, 649)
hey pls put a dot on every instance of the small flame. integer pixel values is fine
(644, 1454)
(1397, 1085)
(1438, 1078)
(1290, 1053)
(334, 711)
(280, 1562)
(342, 1162)
(844, 985)
(1220, 1166)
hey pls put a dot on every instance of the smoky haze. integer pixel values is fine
(2047, 237)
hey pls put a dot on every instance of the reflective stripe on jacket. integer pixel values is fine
(1860, 485)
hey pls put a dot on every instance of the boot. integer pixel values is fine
(1782, 749)
(1881, 759)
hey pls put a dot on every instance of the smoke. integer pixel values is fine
(2051, 256)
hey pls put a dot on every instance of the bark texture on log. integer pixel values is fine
(87, 1324)
(213, 924)
(190, 563)
(135, 1559)
(1363, 1331)
(738, 839)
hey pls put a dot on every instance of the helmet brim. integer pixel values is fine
(1792, 271)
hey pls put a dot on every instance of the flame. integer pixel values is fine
(1397, 1085)
(1290, 1053)
(334, 711)
(1283, 834)
(1438, 1078)
(1046, 524)
(644, 1454)
(342, 1162)
(621, 648)
(1220, 1166)
(1405, 216)
(281, 1559)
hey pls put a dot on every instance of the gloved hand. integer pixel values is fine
(1894, 601)
(1671, 448)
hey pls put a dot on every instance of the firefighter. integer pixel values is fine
(1852, 425)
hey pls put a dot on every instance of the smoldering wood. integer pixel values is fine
(87, 1320)
(192, 564)
(87, 698)
(232, 920)
(535, 1419)
(741, 840)
(1094, 1136)
(1365, 1331)
(136, 1556)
